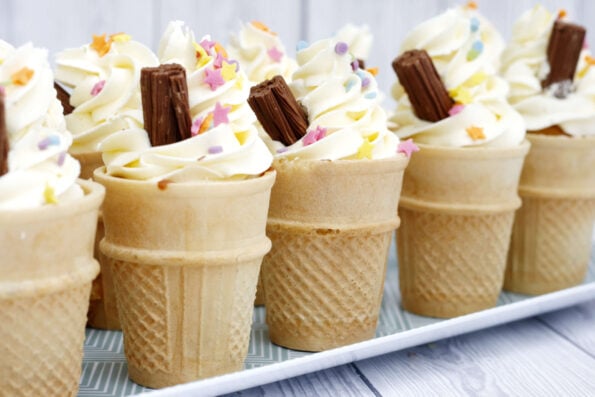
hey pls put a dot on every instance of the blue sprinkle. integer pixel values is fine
(474, 24)
(51, 140)
(349, 85)
(370, 95)
(361, 74)
(478, 46)
(301, 45)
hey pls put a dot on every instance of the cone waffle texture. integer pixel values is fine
(551, 239)
(103, 310)
(457, 210)
(47, 268)
(185, 261)
(330, 224)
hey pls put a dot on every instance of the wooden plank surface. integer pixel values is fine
(577, 324)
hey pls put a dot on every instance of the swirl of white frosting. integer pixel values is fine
(260, 53)
(346, 120)
(177, 45)
(465, 49)
(39, 169)
(358, 38)
(524, 65)
(105, 89)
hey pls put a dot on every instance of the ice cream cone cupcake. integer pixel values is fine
(47, 228)
(552, 77)
(185, 216)
(460, 190)
(102, 96)
(334, 205)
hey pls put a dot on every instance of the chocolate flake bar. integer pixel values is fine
(427, 94)
(166, 111)
(276, 108)
(64, 98)
(563, 51)
(4, 143)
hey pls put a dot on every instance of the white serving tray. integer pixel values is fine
(104, 364)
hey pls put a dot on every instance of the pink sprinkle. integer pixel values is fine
(207, 45)
(2, 90)
(407, 147)
(61, 158)
(215, 149)
(585, 44)
(275, 54)
(195, 126)
(98, 87)
(456, 109)
(218, 61)
(214, 79)
(220, 114)
(341, 48)
(314, 135)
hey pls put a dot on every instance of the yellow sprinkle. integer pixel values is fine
(220, 50)
(228, 71)
(22, 76)
(133, 164)
(101, 44)
(239, 82)
(49, 195)
(242, 136)
(372, 137)
(476, 79)
(373, 71)
(261, 26)
(475, 133)
(461, 95)
(356, 115)
(120, 37)
(365, 150)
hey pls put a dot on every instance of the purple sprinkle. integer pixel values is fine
(48, 141)
(215, 149)
(234, 62)
(61, 158)
(341, 48)
(282, 150)
(355, 65)
(365, 82)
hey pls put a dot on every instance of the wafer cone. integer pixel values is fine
(330, 223)
(551, 239)
(47, 268)
(103, 311)
(457, 209)
(185, 259)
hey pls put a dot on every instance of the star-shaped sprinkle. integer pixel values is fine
(207, 44)
(456, 109)
(213, 78)
(373, 71)
(218, 61)
(98, 87)
(120, 37)
(220, 114)
(242, 136)
(407, 147)
(341, 48)
(228, 71)
(101, 44)
(314, 135)
(195, 129)
(475, 133)
(261, 26)
(22, 76)
(365, 150)
(275, 54)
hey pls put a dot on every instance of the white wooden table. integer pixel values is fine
(552, 354)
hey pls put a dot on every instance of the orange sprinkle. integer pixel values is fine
(206, 123)
(373, 71)
(475, 133)
(220, 50)
(590, 60)
(471, 5)
(562, 13)
(22, 76)
(100, 44)
(263, 27)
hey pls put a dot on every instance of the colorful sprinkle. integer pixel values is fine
(51, 140)
(49, 195)
(282, 150)
(228, 71)
(456, 109)
(215, 149)
(365, 150)
(476, 79)
(475, 133)
(201, 56)
(275, 54)
(220, 50)
(2, 90)
(354, 65)
(22, 76)
(562, 14)
(475, 51)
(474, 24)
(195, 129)
(365, 82)
(314, 135)
(207, 44)
(373, 71)
(98, 87)
(101, 44)
(461, 95)
(220, 114)
(341, 48)
(61, 158)
(349, 85)
(301, 45)
(261, 26)
(370, 95)
(407, 147)
(218, 61)
(214, 79)
(120, 37)
(242, 136)
(471, 5)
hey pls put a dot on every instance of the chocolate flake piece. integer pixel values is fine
(64, 98)
(281, 116)
(4, 143)
(427, 94)
(563, 51)
(166, 112)
(362, 63)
